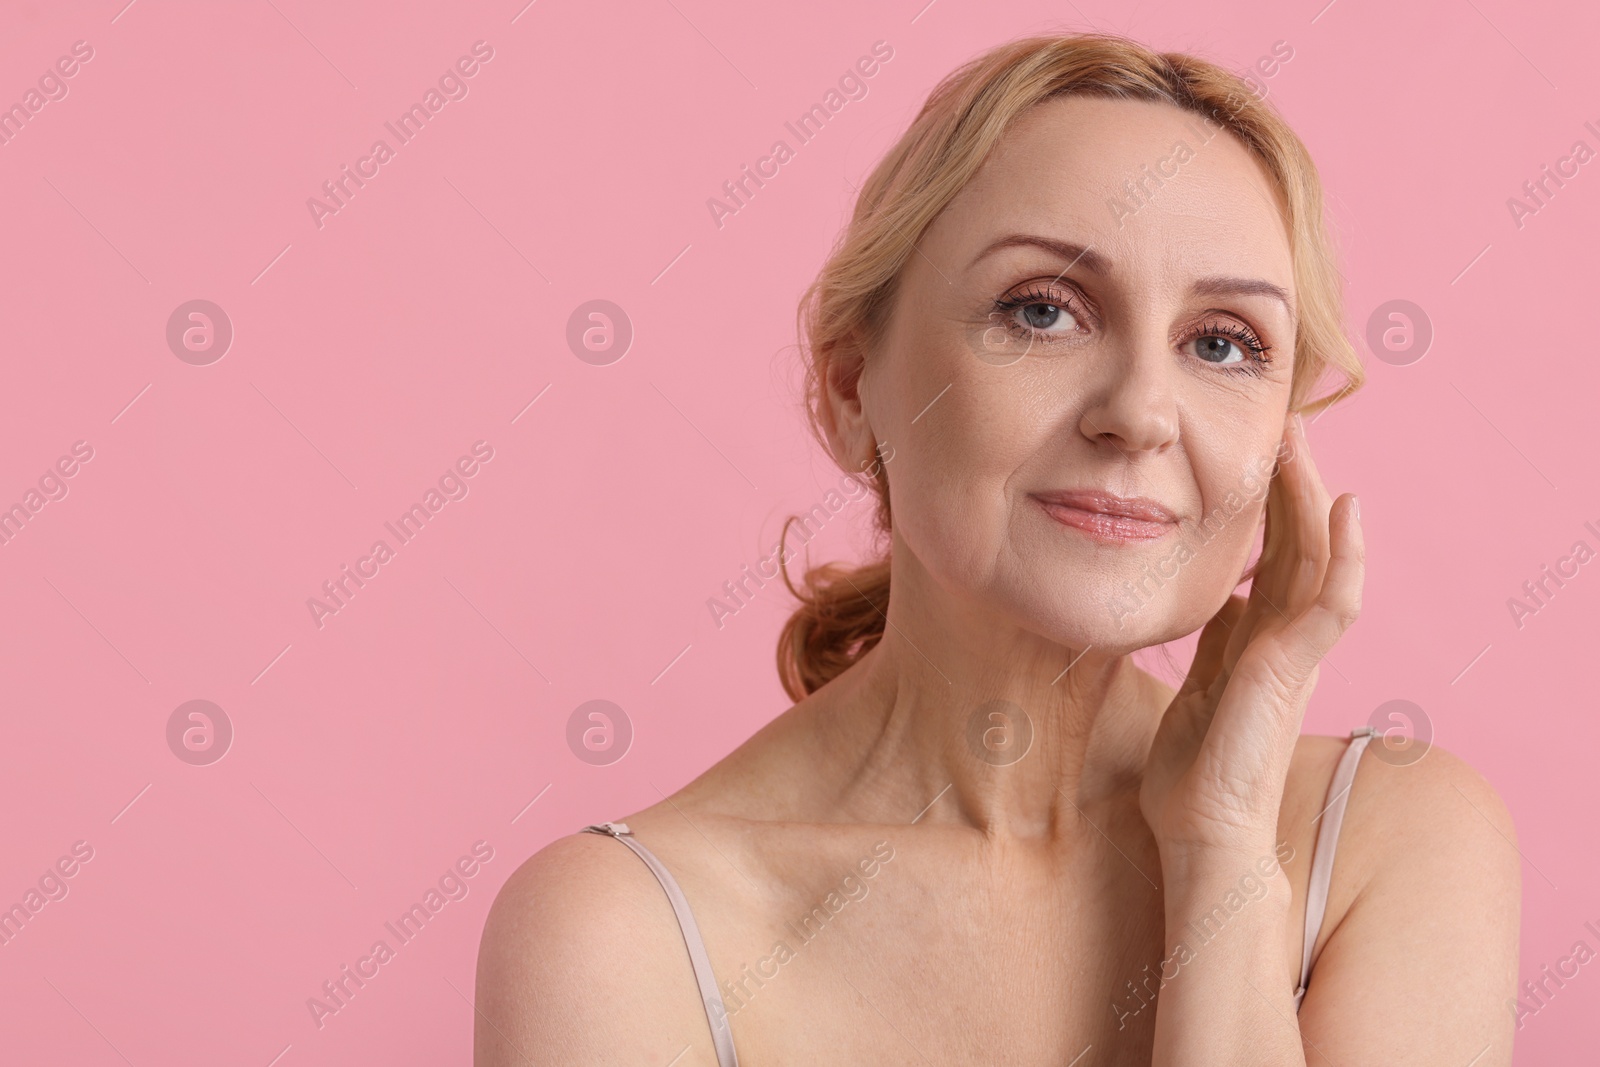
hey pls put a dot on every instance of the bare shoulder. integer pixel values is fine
(1422, 812)
(581, 960)
(1424, 915)
(1418, 820)
(1407, 805)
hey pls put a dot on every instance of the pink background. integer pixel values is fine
(369, 754)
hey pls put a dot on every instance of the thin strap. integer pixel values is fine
(1327, 844)
(716, 1012)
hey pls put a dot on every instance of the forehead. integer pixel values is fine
(1138, 180)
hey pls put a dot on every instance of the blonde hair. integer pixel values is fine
(843, 313)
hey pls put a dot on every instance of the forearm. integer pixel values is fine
(1225, 999)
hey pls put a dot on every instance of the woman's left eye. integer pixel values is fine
(1227, 344)
(1214, 349)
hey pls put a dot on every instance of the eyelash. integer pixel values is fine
(1257, 355)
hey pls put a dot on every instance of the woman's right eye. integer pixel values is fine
(1037, 315)
(1043, 316)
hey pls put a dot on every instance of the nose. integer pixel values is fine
(1134, 407)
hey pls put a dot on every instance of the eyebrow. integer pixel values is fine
(1095, 263)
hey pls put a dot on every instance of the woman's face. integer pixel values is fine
(1083, 429)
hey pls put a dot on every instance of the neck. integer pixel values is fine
(961, 719)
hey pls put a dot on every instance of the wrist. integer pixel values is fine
(1197, 880)
(1228, 924)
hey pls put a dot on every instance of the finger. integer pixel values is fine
(1337, 604)
(1280, 551)
(1249, 621)
(1309, 515)
(1281, 666)
(1208, 654)
(1266, 576)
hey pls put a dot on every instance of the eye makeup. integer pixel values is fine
(1029, 314)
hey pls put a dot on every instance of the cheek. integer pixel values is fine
(1234, 498)
(952, 479)
(947, 498)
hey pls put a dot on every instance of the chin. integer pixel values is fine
(1102, 613)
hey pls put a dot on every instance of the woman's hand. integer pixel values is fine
(1215, 775)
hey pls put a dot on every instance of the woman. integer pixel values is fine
(1069, 334)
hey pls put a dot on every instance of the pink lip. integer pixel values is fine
(1108, 518)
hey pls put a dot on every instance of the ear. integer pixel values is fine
(845, 416)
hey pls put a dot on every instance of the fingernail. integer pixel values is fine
(1355, 507)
